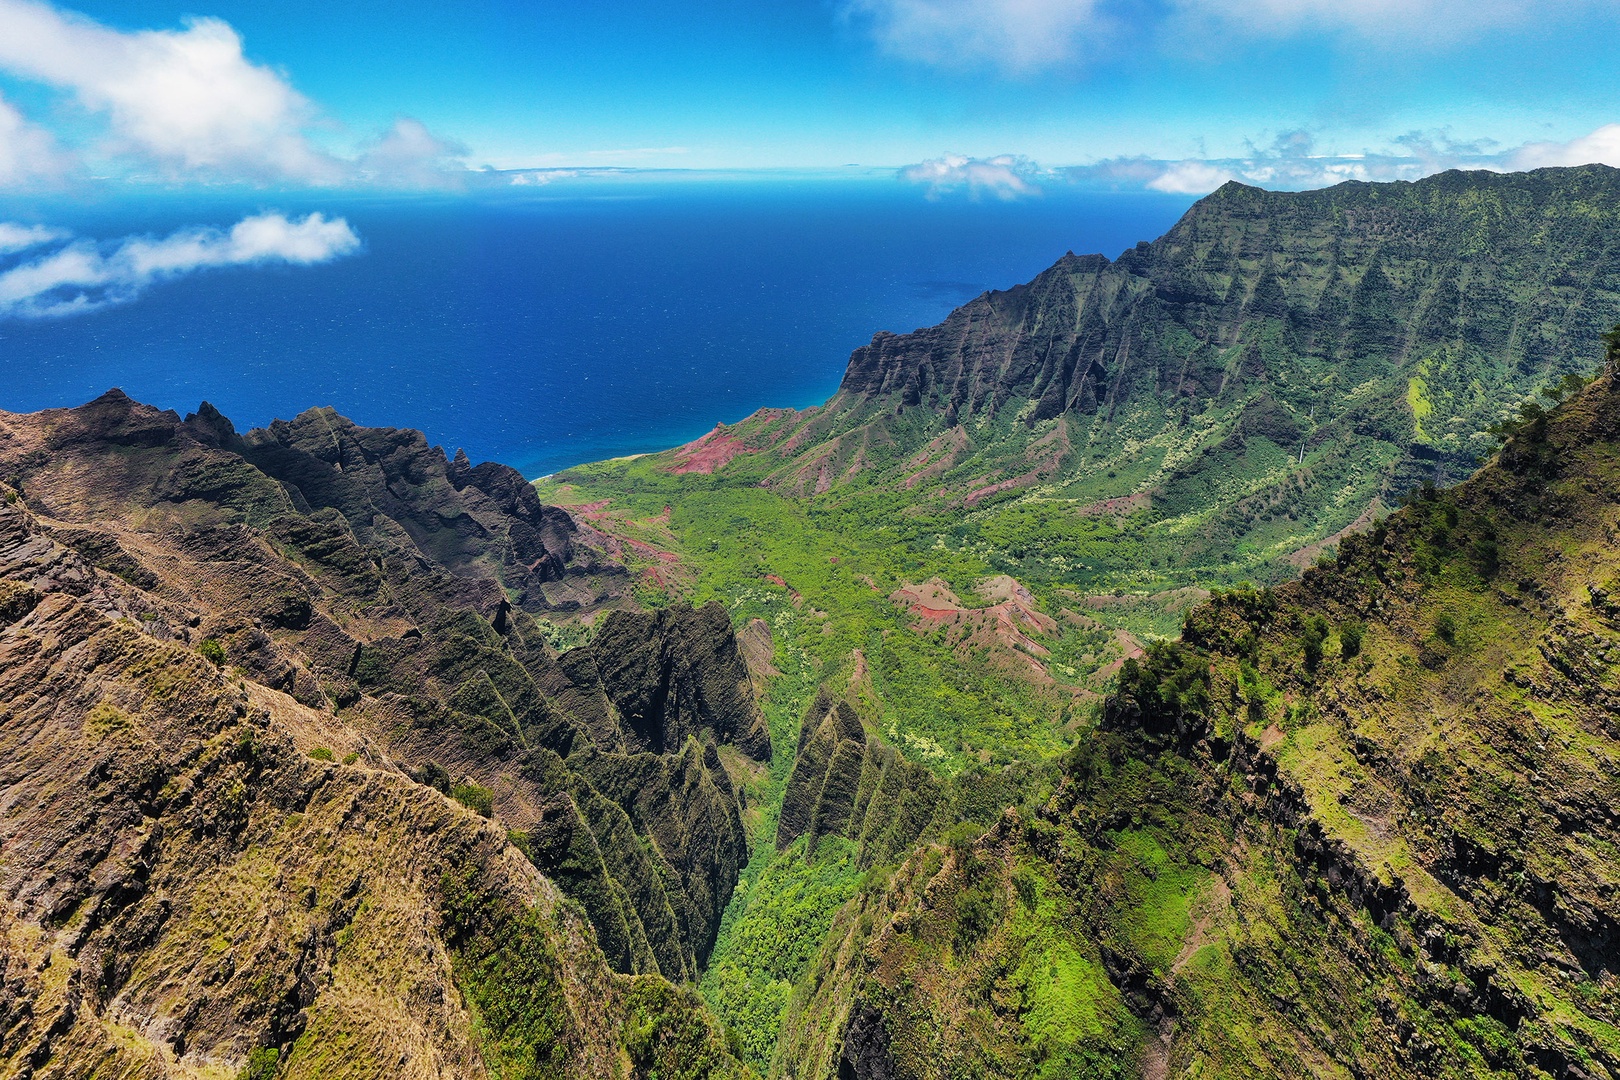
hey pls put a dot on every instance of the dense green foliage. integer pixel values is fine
(474, 797)
(776, 924)
(1234, 402)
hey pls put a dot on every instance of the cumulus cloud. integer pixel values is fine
(187, 104)
(409, 155)
(1004, 177)
(84, 276)
(186, 100)
(1600, 147)
(1190, 178)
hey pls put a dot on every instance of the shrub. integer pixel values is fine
(1350, 635)
(1445, 628)
(474, 797)
(434, 776)
(212, 651)
(351, 757)
(961, 837)
(321, 753)
(1316, 632)
(976, 912)
(261, 1064)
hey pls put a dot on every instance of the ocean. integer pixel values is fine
(549, 326)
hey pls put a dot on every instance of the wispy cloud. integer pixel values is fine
(186, 103)
(1291, 161)
(1019, 35)
(28, 154)
(1022, 36)
(1388, 23)
(1004, 177)
(15, 238)
(84, 276)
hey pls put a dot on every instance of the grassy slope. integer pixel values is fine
(1308, 417)
(1296, 850)
(723, 539)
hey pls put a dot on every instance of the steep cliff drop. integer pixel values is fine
(235, 671)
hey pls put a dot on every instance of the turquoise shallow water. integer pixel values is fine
(545, 329)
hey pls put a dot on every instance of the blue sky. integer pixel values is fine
(982, 95)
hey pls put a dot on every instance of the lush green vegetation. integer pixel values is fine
(774, 927)
(212, 651)
(837, 569)
(474, 797)
(1267, 411)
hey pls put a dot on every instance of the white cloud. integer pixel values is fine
(28, 154)
(1190, 178)
(187, 104)
(83, 276)
(409, 155)
(541, 177)
(1292, 162)
(1600, 147)
(1019, 35)
(15, 238)
(1004, 177)
(186, 100)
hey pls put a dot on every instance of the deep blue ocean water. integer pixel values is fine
(546, 328)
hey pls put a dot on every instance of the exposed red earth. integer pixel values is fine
(711, 452)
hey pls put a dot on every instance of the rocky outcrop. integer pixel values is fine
(675, 673)
(192, 885)
(366, 576)
(848, 783)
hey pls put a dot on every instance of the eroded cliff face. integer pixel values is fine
(848, 783)
(188, 892)
(1359, 825)
(1254, 379)
(366, 599)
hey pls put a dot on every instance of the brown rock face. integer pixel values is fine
(182, 879)
(183, 884)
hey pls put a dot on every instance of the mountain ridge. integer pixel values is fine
(1256, 377)
(1359, 824)
(279, 706)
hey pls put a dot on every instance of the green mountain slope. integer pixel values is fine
(1275, 368)
(1116, 438)
(1362, 824)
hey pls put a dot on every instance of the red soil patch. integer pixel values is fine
(775, 579)
(711, 452)
(1005, 625)
(973, 497)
